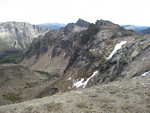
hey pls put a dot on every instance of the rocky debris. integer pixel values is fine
(125, 96)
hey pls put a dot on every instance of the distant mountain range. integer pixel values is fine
(136, 28)
(55, 26)
(139, 29)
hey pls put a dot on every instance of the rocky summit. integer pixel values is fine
(91, 67)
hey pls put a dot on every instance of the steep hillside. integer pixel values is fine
(86, 56)
(126, 96)
(42, 50)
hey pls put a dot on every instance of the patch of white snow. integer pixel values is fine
(50, 59)
(78, 84)
(117, 47)
(83, 83)
(69, 78)
(146, 74)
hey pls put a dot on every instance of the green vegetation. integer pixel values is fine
(3, 45)
(48, 74)
(15, 57)
(12, 97)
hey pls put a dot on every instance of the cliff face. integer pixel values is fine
(18, 34)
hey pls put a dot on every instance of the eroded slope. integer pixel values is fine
(126, 96)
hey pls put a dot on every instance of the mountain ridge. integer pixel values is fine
(76, 54)
(98, 59)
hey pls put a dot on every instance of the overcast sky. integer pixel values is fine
(134, 12)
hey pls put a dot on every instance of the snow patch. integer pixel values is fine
(117, 47)
(146, 74)
(81, 83)
(69, 78)
(78, 84)
(50, 59)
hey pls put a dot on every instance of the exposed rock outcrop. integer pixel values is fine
(19, 34)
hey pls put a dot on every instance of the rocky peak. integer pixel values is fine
(82, 23)
(105, 23)
(79, 26)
